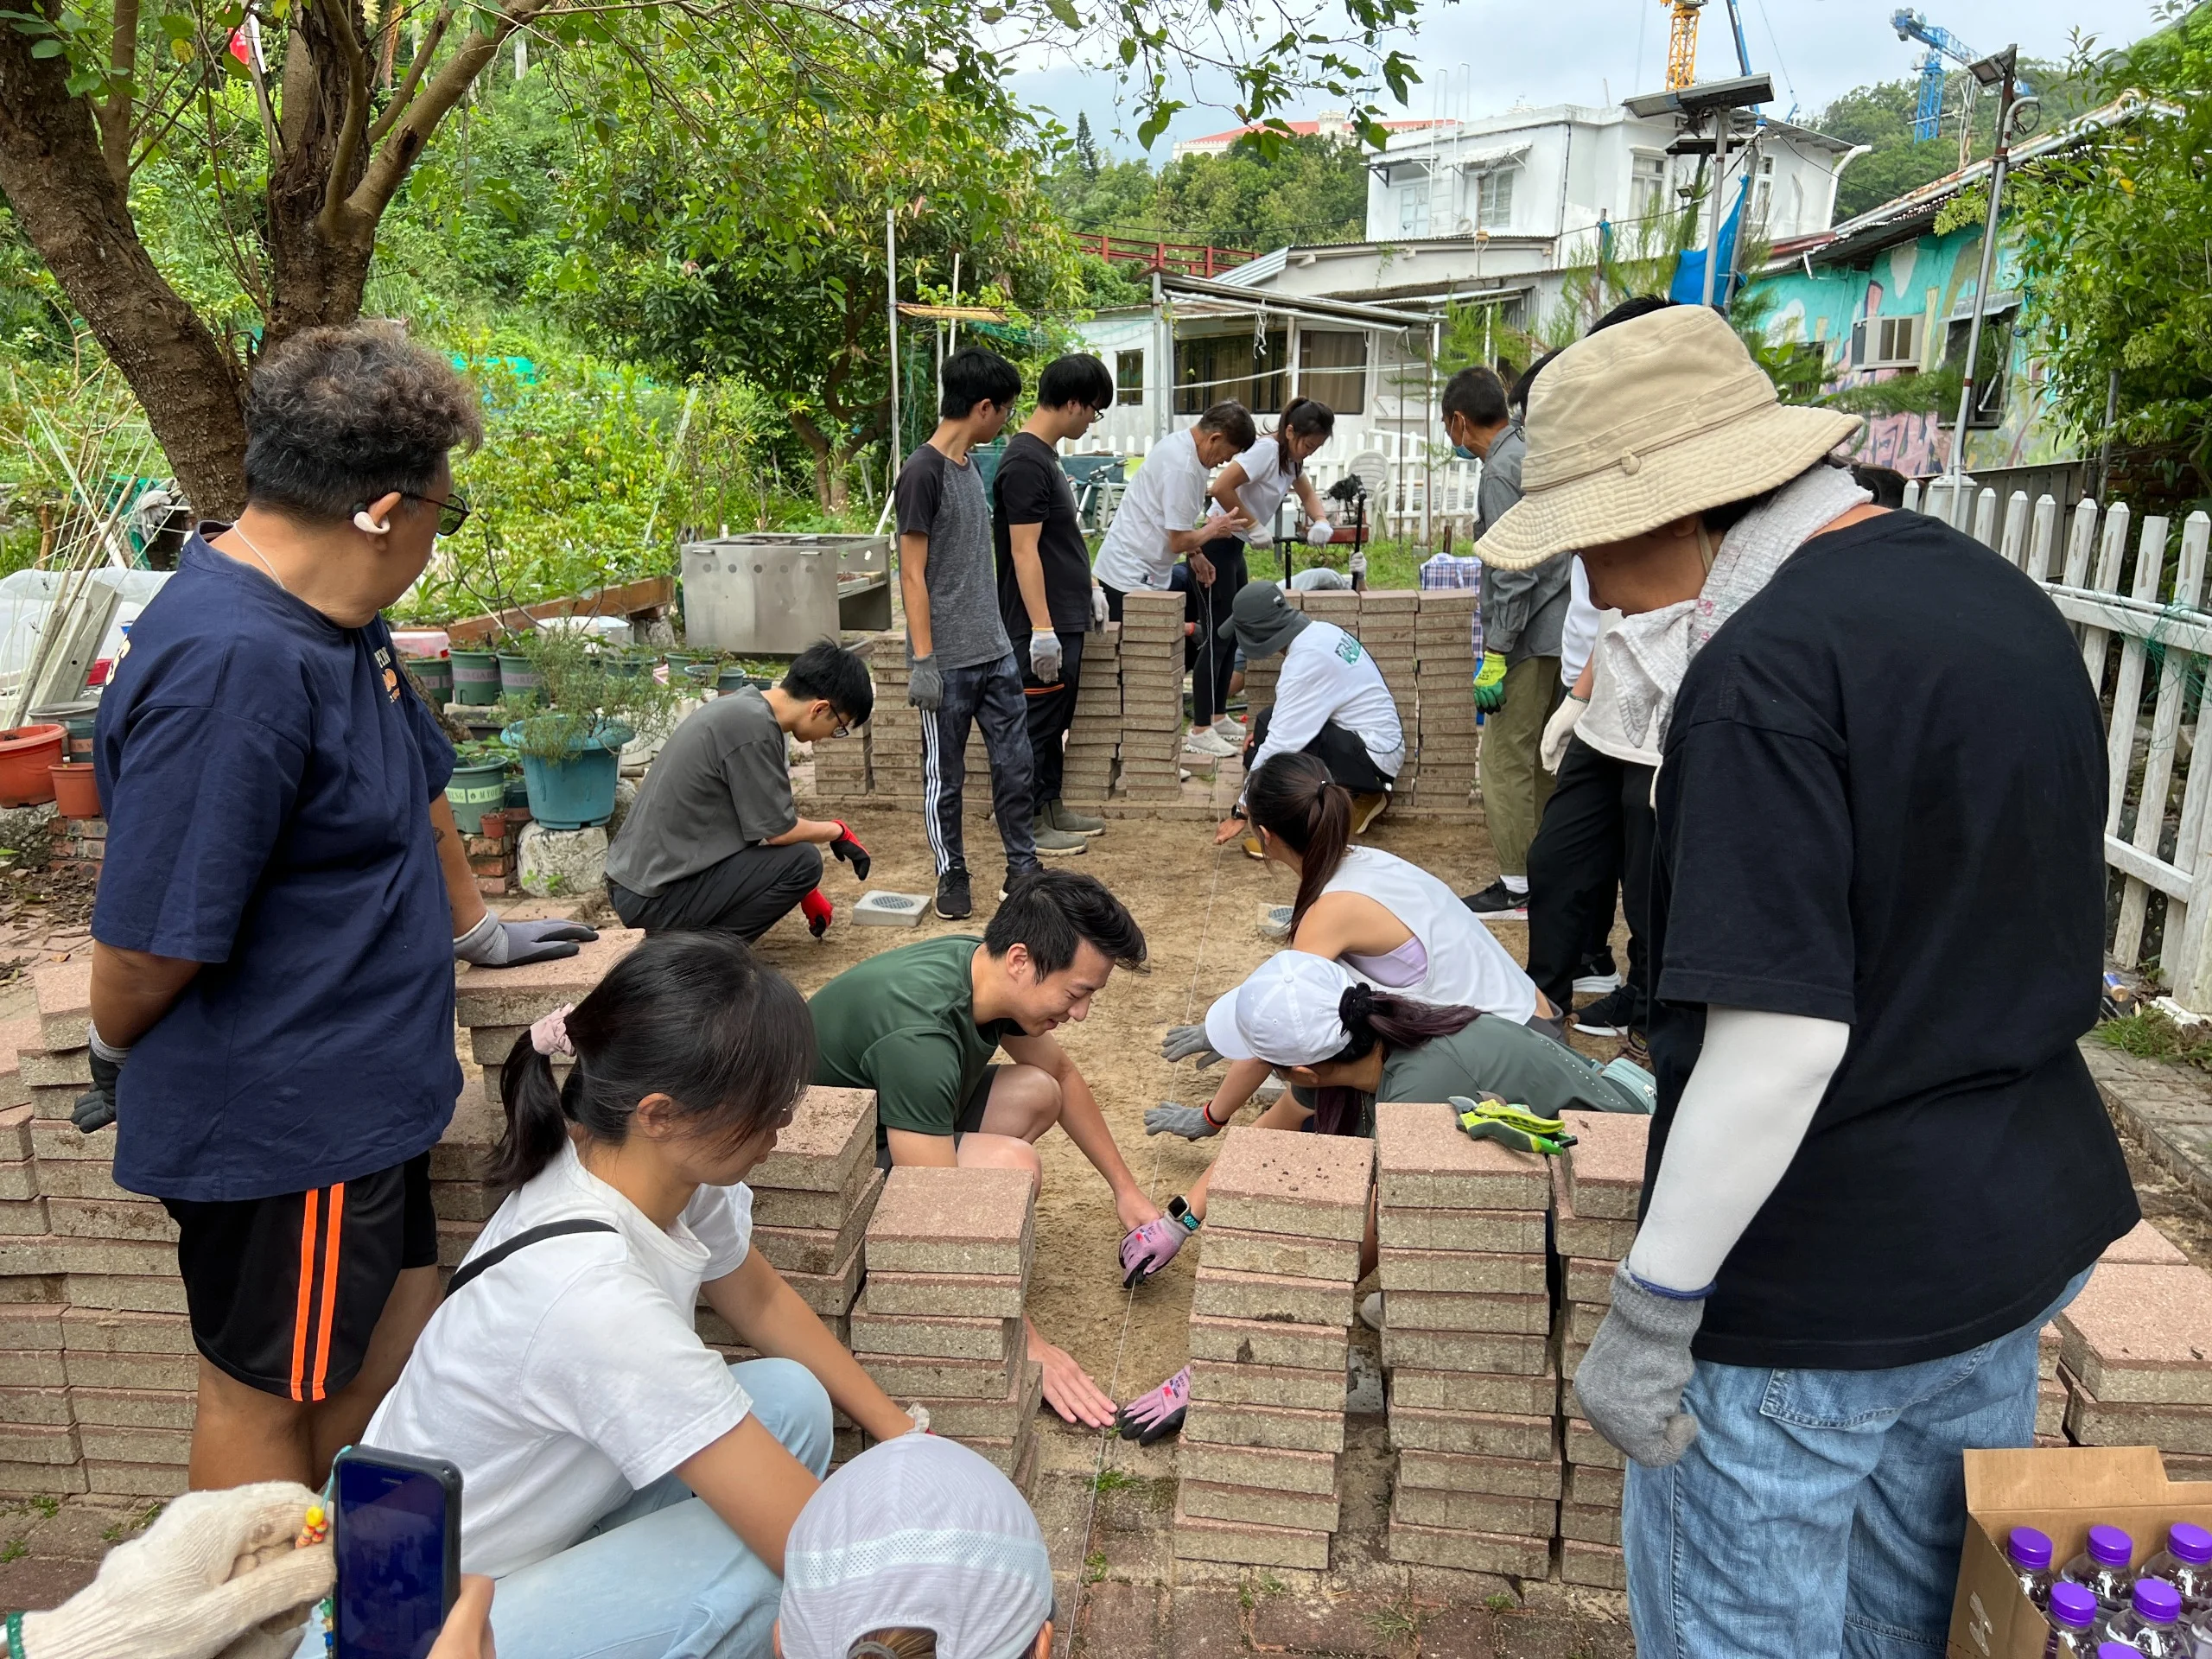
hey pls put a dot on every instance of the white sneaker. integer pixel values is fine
(1207, 741)
(1371, 1310)
(1229, 731)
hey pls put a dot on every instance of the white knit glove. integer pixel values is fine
(1320, 532)
(1559, 728)
(216, 1567)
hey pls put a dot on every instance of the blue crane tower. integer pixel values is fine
(1928, 116)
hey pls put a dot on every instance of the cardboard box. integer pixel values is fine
(2064, 1490)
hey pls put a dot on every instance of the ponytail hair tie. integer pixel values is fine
(550, 1034)
(1356, 1006)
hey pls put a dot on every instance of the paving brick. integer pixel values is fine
(1525, 1315)
(24, 1217)
(48, 1406)
(930, 1295)
(815, 1152)
(42, 1068)
(829, 1293)
(491, 1045)
(1525, 1396)
(139, 1407)
(1331, 1624)
(135, 1479)
(128, 1293)
(1601, 1565)
(792, 1206)
(963, 1221)
(64, 1002)
(1461, 1271)
(1465, 1351)
(966, 1379)
(1221, 1295)
(1280, 1252)
(1204, 1623)
(818, 1250)
(40, 1443)
(2144, 1243)
(1470, 1552)
(2170, 1427)
(1120, 1621)
(15, 1131)
(1590, 1524)
(32, 1368)
(1431, 1506)
(1311, 1512)
(1500, 1232)
(1270, 1426)
(1263, 1342)
(1594, 1488)
(1589, 1281)
(107, 1332)
(106, 1219)
(2050, 1341)
(942, 1337)
(1578, 1235)
(2050, 1408)
(2142, 1334)
(1585, 1446)
(53, 1139)
(1603, 1171)
(84, 1368)
(1007, 1415)
(1313, 1185)
(1196, 1539)
(1266, 1385)
(1424, 1160)
(1309, 1474)
(1479, 1434)
(517, 997)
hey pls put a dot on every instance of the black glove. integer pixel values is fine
(847, 848)
(95, 1108)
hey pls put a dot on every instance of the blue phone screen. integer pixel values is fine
(391, 1561)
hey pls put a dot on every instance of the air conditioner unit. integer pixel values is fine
(1885, 343)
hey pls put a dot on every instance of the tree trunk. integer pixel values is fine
(817, 443)
(318, 256)
(57, 180)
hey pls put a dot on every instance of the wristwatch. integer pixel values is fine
(1181, 1211)
(1238, 812)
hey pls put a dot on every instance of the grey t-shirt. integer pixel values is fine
(945, 501)
(1524, 611)
(722, 783)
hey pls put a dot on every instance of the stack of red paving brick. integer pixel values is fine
(812, 1197)
(1152, 696)
(1467, 1344)
(1387, 626)
(1597, 1187)
(1270, 1326)
(940, 1321)
(2136, 1354)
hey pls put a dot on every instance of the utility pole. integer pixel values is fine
(1720, 122)
(1997, 69)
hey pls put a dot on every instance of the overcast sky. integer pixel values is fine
(1481, 57)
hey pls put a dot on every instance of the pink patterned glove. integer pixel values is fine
(1148, 1248)
(1155, 1416)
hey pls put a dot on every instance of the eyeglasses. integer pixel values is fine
(453, 511)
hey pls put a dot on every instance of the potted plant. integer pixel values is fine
(571, 747)
(475, 676)
(478, 785)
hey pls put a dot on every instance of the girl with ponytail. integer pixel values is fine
(630, 1488)
(1343, 1043)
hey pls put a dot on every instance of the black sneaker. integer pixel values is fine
(1598, 976)
(1611, 1015)
(952, 901)
(1495, 904)
(1014, 876)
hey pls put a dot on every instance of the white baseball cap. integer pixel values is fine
(919, 1533)
(1286, 1014)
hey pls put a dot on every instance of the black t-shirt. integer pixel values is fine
(1031, 489)
(1882, 803)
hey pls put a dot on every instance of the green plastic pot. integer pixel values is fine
(732, 679)
(477, 787)
(475, 677)
(577, 790)
(433, 675)
(519, 683)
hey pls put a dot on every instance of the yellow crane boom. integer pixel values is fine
(1681, 43)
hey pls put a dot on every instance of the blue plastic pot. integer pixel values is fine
(579, 790)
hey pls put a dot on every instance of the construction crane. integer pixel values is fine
(1928, 114)
(1681, 42)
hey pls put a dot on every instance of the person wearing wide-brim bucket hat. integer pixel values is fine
(1878, 1164)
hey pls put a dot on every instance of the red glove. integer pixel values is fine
(817, 911)
(847, 848)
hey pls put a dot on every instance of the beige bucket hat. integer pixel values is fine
(1645, 423)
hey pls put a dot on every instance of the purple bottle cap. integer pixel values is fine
(2110, 1547)
(2157, 1601)
(2074, 1606)
(2119, 1650)
(2190, 1544)
(2032, 1549)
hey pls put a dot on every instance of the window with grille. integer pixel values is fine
(1210, 367)
(1128, 379)
(1647, 187)
(1333, 368)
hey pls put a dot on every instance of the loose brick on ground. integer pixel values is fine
(1313, 1185)
(1196, 1539)
(951, 1221)
(1424, 1160)
(1304, 1511)
(2142, 1334)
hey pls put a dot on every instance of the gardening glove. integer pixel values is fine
(818, 912)
(1489, 683)
(924, 685)
(1183, 1041)
(494, 943)
(1320, 532)
(847, 848)
(1098, 617)
(1631, 1383)
(1560, 727)
(1153, 1416)
(1045, 657)
(1171, 1118)
(95, 1108)
(1150, 1246)
(215, 1567)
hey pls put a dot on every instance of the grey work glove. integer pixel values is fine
(494, 943)
(1172, 1117)
(1046, 656)
(1631, 1383)
(1184, 1041)
(925, 685)
(95, 1108)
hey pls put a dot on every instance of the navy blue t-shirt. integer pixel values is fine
(267, 777)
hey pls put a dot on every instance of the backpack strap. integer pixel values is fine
(522, 1240)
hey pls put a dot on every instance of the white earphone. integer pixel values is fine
(368, 526)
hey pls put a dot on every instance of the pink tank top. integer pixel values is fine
(1407, 965)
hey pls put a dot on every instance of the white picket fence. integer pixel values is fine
(2153, 695)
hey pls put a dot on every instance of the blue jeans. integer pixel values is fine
(1817, 1512)
(661, 1577)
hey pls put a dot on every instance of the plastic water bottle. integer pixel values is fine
(2028, 1553)
(2074, 1618)
(2186, 1564)
(2151, 1623)
(2102, 1567)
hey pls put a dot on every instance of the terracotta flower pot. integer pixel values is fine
(26, 752)
(76, 790)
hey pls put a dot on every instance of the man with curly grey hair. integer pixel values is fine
(283, 897)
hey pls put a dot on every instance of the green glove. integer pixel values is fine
(1489, 683)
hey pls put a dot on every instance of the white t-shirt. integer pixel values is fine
(1265, 485)
(571, 1374)
(1467, 967)
(1578, 633)
(1167, 495)
(1327, 676)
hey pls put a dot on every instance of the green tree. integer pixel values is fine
(1880, 116)
(1260, 194)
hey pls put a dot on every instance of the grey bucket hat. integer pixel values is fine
(1261, 620)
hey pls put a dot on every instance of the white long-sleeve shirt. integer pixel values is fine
(1327, 676)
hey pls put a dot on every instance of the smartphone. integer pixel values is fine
(396, 1527)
